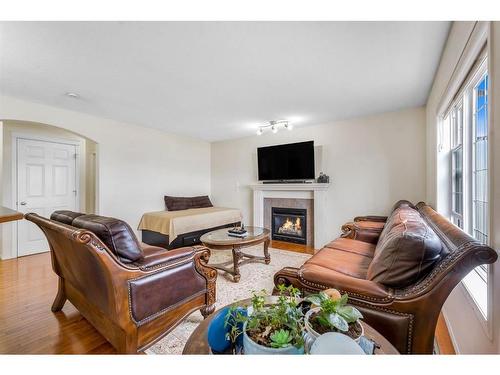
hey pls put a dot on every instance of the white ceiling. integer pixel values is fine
(220, 80)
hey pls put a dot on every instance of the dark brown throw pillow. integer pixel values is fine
(402, 203)
(202, 201)
(405, 253)
(184, 203)
(177, 203)
(399, 215)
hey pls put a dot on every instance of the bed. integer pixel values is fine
(173, 229)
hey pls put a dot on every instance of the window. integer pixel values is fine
(467, 119)
(480, 163)
(457, 193)
(477, 281)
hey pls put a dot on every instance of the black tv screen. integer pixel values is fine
(293, 161)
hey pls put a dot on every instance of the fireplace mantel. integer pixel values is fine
(315, 191)
(293, 187)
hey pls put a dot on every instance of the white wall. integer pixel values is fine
(372, 162)
(457, 38)
(137, 165)
(468, 333)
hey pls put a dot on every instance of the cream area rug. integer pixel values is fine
(254, 276)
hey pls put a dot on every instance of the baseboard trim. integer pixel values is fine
(450, 331)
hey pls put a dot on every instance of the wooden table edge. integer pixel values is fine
(235, 241)
(7, 215)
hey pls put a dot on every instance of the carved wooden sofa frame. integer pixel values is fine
(94, 280)
(407, 317)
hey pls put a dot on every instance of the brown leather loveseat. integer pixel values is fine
(132, 293)
(398, 270)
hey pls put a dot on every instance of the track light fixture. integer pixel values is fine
(274, 126)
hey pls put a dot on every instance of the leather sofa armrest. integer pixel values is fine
(319, 278)
(355, 231)
(155, 257)
(348, 230)
(380, 219)
(171, 278)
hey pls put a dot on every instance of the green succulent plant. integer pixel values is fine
(334, 313)
(276, 325)
(281, 339)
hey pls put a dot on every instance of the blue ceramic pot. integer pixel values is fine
(216, 334)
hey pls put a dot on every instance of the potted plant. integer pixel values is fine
(269, 328)
(330, 313)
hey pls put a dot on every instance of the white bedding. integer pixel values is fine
(174, 223)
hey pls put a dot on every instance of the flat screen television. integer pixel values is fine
(289, 162)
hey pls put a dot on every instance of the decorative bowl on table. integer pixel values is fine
(335, 343)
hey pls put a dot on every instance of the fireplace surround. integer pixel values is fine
(289, 224)
(314, 192)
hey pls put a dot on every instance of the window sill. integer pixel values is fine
(473, 288)
(478, 292)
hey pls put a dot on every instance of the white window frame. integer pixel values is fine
(465, 96)
(455, 147)
(481, 274)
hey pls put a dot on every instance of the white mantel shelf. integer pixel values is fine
(291, 187)
(315, 191)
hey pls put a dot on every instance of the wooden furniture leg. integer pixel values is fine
(60, 299)
(266, 251)
(236, 263)
(207, 310)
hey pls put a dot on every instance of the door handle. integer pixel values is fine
(23, 203)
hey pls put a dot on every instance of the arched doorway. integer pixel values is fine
(43, 168)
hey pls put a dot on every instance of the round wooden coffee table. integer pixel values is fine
(220, 240)
(198, 342)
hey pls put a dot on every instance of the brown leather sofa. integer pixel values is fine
(397, 270)
(132, 293)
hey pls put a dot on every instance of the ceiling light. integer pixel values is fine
(274, 126)
(72, 95)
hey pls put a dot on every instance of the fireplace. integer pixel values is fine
(289, 224)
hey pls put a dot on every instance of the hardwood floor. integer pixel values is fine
(27, 289)
(292, 247)
(443, 338)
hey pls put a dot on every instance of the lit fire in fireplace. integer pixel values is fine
(290, 227)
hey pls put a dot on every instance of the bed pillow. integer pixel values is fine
(177, 203)
(202, 201)
(184, 203)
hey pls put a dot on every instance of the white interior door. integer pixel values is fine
(46, 181)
